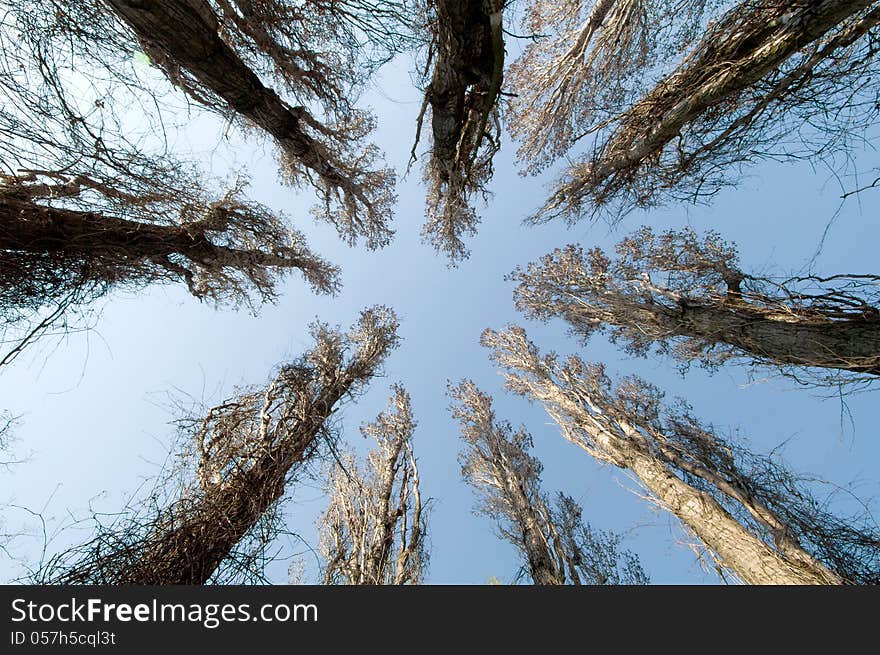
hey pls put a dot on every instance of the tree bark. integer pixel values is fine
(775, 32)
(466, 57)
(848, 344)
(542, 565)
(738, 548)
(783, 337)
(749, 557)
(678, 471)
(108, 241)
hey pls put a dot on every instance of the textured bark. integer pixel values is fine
(749, 557)
(543, 568)
(92, 247)
(850, 345)
(466, 58)
(775, 31)
(108, 240)
(739, 549)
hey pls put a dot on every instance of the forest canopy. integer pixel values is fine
(675, 195)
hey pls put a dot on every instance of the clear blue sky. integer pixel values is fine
(96, 407)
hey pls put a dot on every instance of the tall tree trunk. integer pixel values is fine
(749, 557)
(689, 296)
(750, 42)
(543, 567)
(466, 57)
(357, 200)
(775, 31)
(686, 469)
(186, 31)
(108, 242)
(851, 344)
(190, 553)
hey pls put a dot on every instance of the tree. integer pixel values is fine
(374, 530)
(246, 451)
(89, 203)
(57, 257)
(755, 518)
(218, 51)
(584, 64)
(767, 79)
(467, 51)
(557, 547)
(687, 296)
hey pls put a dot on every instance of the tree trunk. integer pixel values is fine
(749, 557)
(191, 552)
(775, 32)
(109, 241)
(740, 550)
(542, 566)
(784, 337)
(466, 57)
(850, 344)
(186, 31)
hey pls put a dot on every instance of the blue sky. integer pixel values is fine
(96, 407)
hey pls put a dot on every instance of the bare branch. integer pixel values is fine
(88, 205)
(557, 546)
(375, 528)
(764, 76)
(586, 65)
(215, 51)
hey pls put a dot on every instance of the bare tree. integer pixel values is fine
(246, 451)
(88, 204)
(772, 78)
(687, 296)
(755, 518)
(374, 531)
(585, 63)
(223, 53)
(558, 548)
(467, 52)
